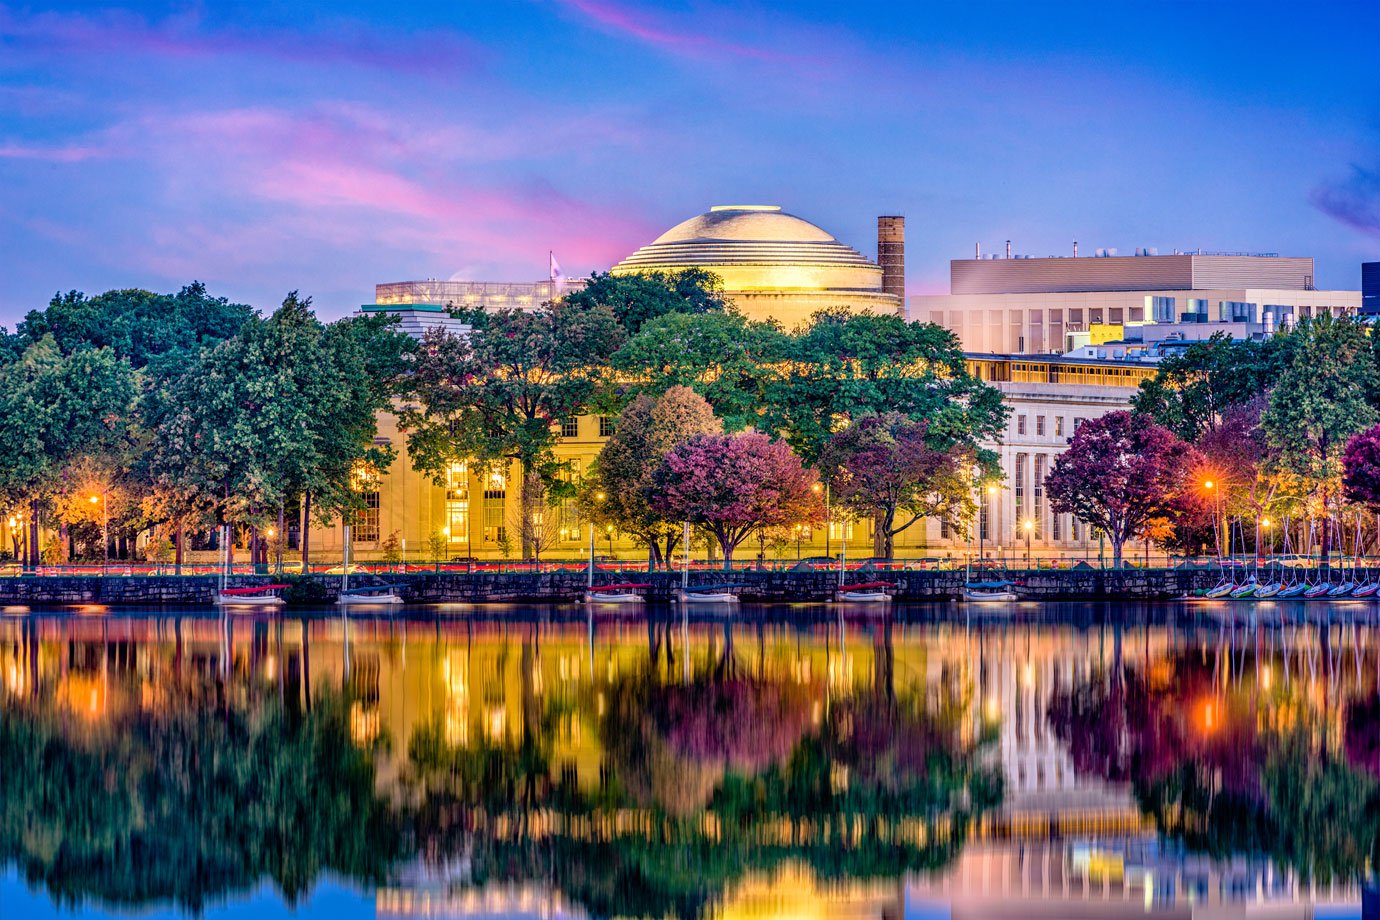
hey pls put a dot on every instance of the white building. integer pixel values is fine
(1022, 305)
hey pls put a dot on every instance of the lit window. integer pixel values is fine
(1058, 426)
(366, 524)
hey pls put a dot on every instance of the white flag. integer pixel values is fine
(557, 275)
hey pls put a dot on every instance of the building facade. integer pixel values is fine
(1022, 305)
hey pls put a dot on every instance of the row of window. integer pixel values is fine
(570, 428)
(1040, 425)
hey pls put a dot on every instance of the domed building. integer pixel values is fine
(778, 266)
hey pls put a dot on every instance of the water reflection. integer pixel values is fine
(553, 766)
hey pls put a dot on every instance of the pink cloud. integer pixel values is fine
(127, 34)
(620, 20)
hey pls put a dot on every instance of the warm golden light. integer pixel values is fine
(1029, 525)
(599, 496)
(816, 488)
(1207, 484)
(94, 499)
(269, 532)
(991, 490)
(1265, 522)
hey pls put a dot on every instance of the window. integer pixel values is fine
(457, 526)
(366, 525)
(1039, 490)
(1056, 530)
(983, 514)
(943, 528)
(1040, 426)
(1020, 424)
(1058, 426)
(1076, 423)
(1019, 489)
(605, 426)
(495, 495)
(570, 428)
(1114, 314)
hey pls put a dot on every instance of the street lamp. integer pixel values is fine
(797, 542)
(816, 488)
(1269, 539)
(105, 529)
(1216, 533)
(1029, 526)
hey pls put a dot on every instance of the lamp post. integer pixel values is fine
(797, 542)
(816, 488)
(1269, 539)
(1029, 526)
(105, 529)
(1216, 532)
(599, 499)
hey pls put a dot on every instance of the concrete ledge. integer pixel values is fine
(429, 587)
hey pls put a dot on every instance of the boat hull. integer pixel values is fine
(708, 597)
(246, 600)
(989, 597)
(596, 597)
(864, 597)
(368, 600)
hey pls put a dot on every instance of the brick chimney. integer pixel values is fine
(891, 255)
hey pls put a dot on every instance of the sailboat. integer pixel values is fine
(701, 594)
(370, 595)
(868, 592)
(256, 596)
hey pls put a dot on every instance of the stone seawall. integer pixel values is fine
(428, 587)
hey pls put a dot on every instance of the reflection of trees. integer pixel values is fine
(1229, 766)
(701, 782)
(188, 801)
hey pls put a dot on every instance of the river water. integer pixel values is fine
(1052, 760)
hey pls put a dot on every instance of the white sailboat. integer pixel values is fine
(257, 596)
(368, 595)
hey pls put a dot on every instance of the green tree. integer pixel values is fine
(721, 355)
(1192, 392)
(639, 298)
(141, 326)
(846, 365)
(55, 410)
(1322, 398)
(497, 395)
(618, 489)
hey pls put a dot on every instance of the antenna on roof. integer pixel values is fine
(977, 250)
(1075, 249)
(1008, 249)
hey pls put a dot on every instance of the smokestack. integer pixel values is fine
(1008, 249)
(977, 250)
(1075, 249)
(891, 255)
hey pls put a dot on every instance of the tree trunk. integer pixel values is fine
(306, 533)
(282, 538)
(1116, 551)
(527, 502)
(230, 547)
(728, 553)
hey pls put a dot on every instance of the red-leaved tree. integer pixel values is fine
(1120, 473)
(1361, 468)
(734, 485)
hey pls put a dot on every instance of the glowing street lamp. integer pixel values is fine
(1216, 531)
(1269, 537)
(816, 488)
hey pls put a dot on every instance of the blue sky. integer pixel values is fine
(262, 147)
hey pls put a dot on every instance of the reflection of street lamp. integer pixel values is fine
(1029, 526)
(105, 529)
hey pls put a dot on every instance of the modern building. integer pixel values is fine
(776, 266)
(1370, 288)
(1024, 305)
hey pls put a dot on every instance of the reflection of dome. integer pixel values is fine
(772, 264)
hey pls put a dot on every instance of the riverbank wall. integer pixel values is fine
(556, 587)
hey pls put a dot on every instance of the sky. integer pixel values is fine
(274, 146)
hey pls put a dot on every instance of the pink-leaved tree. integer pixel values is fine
(1121, 473)
(734, 485)
(1361, 468)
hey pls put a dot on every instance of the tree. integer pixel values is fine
(279, 410)
(1321, 400)
(884, 466)
(497, 394)
(1192, 392)
(721, 355)
(54, 410)
(141, 326)
(620, 484)
(636, 299)
(733, 485)
(846, 365)
(1118, 475)
(1361, 468)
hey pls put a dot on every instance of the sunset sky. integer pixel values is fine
(263, 147)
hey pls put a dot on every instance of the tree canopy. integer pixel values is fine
(639, 298)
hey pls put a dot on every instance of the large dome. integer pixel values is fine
(772, 264)
(762, 236)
